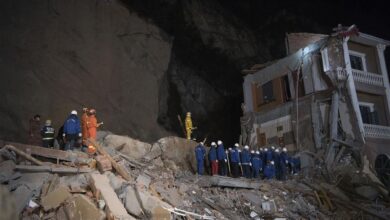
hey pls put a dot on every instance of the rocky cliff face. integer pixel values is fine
(139, 67)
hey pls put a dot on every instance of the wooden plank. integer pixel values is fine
(49, 153)
(51, 169)
(234, 182)
(23, 154)
(119, 169)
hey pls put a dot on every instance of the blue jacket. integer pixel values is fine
(284, 158)
(72, 125)
(235, 156)
(213, 153)
(200, 151)
(268, 155)
(257, 163)
(245, 158)
(221, 152)
(269, 171)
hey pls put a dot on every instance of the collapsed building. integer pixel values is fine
(328, 99)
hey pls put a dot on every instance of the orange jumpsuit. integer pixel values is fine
(92, 126)
(84, 128)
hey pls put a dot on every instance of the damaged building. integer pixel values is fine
(329, 97)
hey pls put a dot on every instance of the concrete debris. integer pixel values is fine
(54, 198)
(162, 185)
(102, 189)
(6, 170)
(81, 207)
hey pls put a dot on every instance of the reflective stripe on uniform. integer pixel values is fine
(48, 138)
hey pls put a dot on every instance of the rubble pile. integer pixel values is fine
(129, 179)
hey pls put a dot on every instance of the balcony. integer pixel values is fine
(376, 131)
(362, 77)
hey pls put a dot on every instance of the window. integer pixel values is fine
(369, 115)
(358, 60)
(268, 92)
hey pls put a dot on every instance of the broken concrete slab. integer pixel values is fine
(234, 182)
(101, 187)
(33, 181)
(143, 180)
(116, 182)
(131, 147)
(80, 207)
(22, 195)
(367, 192)
(6, 170)
(103, 163)
(55, 198)
(150, 202)
(79, 181)
(131, 202)
(159, 213)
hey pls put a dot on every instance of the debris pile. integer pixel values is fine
(129, 179)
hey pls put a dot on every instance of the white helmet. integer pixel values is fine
(219, 142)
(257, 152)
(284, 149)
(236, 144)
(201, 143)
(261, 149)
(230, 149)
(213, 144)
(272, 162)
(277, 150)
(73, 112)
(272, 147)
(246, 147)
(265, 149)
(252, 151)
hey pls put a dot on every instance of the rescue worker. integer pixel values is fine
(269, 170)
(92, 124)
(283, 164)
(257, 164)
(268, 155)
(264, 157)
(47, 133)
(84, 128)
(188, 123)
(213, 159)
(276, 159)
(245, 161)
(35, 131)
(72, 130)
(222, 159)
(200, 153)
(235, 161)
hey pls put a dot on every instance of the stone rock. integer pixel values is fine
(159, 213)
(6, 170)
(22, 195)
(8, 206)
(367, 192)
(115, 181)
(131, 202)
(143, 180)
(80, 207)
(130, 147)
(75, 181)
(33, 181)
(55, 198)
(150, 202)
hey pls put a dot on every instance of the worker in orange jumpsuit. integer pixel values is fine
(84, 129)
(92, 124)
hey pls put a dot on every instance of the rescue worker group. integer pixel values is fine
(72, 134)
(263, 163)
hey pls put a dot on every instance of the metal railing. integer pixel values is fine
(376, 131)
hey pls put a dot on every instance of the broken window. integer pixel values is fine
(358, 60)
(268, 92)
(368, 113)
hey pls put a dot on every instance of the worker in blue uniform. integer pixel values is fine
(283, 164)
(257, 164)
(222, 159)
(200, 153)
(245, 161)
(235, 161)
(269, 170)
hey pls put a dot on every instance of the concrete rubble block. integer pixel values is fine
(367, 192)
(158, 162)
(6, 170)
(8, 206)
(143, 180)
(102, 189)
(103, 163)
(33, 181)
(75, 181)
(131, 202)
(234, 182)
(131, 147)
(80, 207)
(116, 182)
(55, 198)
(150, 202)
(22, 195)
(170, 195)
(159, 213)
(154, 153)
